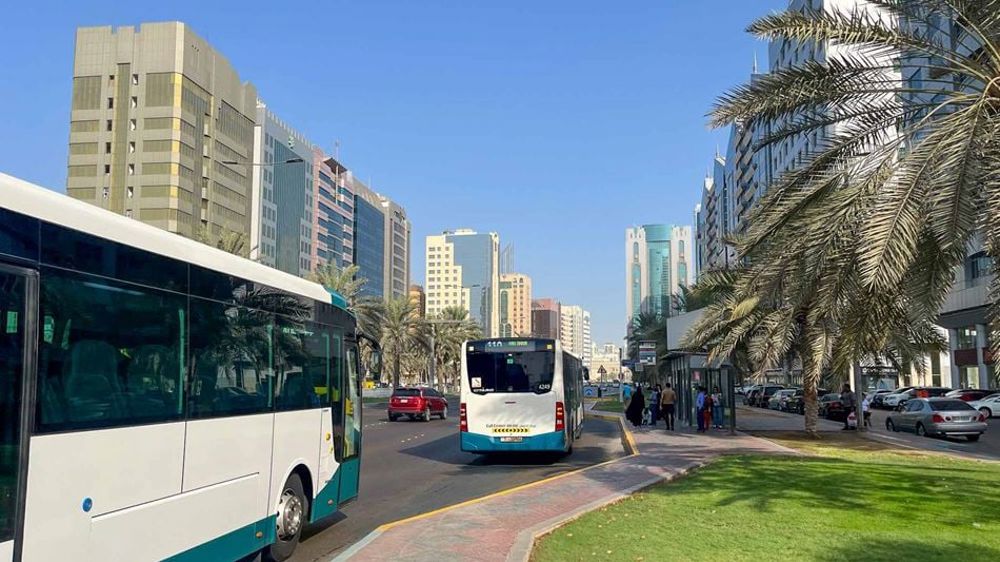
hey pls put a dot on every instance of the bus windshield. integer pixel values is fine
(523, 371)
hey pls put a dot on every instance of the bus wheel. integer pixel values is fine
(292, 510)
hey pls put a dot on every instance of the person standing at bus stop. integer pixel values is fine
(718, 412)
(699, 403)
(654, 404)
(667, 400)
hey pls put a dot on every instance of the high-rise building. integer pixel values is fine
(657, 263)
(161, 129)
(396, 268)
(515, 305)
(333, 213)
(369, 239)
(546, 318)
(462, 269)
(574, 332)
(418, 299)
(283, 202)
(605, 364)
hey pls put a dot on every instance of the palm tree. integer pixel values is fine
(344, 281)
(230, 241)
(402, 328)
(452, 328)
(851, 255)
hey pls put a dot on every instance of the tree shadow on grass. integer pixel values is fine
(913, 550)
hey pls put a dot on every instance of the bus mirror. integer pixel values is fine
(375, 369)
(586, 374)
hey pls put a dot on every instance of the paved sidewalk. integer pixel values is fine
(503, 527)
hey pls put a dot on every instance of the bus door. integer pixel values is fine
(329, 385)
(350, 467)
(18, 288)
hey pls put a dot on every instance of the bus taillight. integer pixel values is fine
(560, 417)
(463, 420)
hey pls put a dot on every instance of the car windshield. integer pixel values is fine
(406, 392)
(523, 371)
(950, 405)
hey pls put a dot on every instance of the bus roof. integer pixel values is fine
(29, 199)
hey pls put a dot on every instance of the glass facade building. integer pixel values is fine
(369, 245)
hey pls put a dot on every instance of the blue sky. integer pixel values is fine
(555, 123)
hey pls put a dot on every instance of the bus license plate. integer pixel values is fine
(511, 439)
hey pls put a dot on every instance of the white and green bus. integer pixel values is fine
(520, 395)
(159, 398)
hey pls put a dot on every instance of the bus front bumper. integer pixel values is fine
(478, 443)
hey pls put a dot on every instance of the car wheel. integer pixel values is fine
(890, 426)
(427, 414)
(293, 511)
(444, 413)
(986, 412)
(921, 430)
(972, 438)
(393, 417)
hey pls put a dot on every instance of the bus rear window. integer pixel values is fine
(530, 371)
(406, 392)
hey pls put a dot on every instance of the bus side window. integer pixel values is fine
(352, 405)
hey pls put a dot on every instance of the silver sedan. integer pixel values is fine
(939, 416)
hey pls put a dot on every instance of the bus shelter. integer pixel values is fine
(687, 371)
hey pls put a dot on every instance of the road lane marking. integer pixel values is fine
(386, 526)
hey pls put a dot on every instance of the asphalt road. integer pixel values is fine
(988, 447)
(408, 468)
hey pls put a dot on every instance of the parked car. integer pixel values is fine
(969, 394)
(892, 400)
(748, 394)
(878, 401)
(946, 417)
(797, 403)
(763, 395)
(989, 406)
(779, 399)
(417, 403)
(831, 408)
(875, 393)
(921, 392)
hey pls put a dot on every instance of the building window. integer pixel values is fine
(135, 79)
(131, 124)
(107, 169)
(966, 338)
(107, 148)
(109, 125)
(131, 147)
(131, 169)
(130, 191)
(134, 102)
(111, 103)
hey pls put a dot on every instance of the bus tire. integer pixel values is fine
(293, 512)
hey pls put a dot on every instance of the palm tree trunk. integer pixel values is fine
(396, 360)
(809, 398)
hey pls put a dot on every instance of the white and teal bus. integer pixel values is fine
(161, 399)
(520, 395)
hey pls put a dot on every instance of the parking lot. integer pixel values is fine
(987, 448)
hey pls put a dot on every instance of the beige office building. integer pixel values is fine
(161, 129)
(574, 332)
(515, 305)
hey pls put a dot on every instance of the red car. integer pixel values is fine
(417, 403)
(969, 394)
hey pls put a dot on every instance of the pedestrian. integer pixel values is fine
(626, 392)
(709, 409)
(654, 404)
(718, 411)
(633, 412)
(699, 404)
(847, 401)
(866, 411)
(667, 400)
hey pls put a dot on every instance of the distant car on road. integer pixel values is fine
(948, 417)
(989, 406)
(921, 392)
(891, 400)
(760, 396)
(417, 403)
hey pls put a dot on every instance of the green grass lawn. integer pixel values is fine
(609, 405)
(839, 505)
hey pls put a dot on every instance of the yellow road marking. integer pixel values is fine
(628, 436)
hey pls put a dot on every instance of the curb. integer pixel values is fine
(628, 442)
(526, 539)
